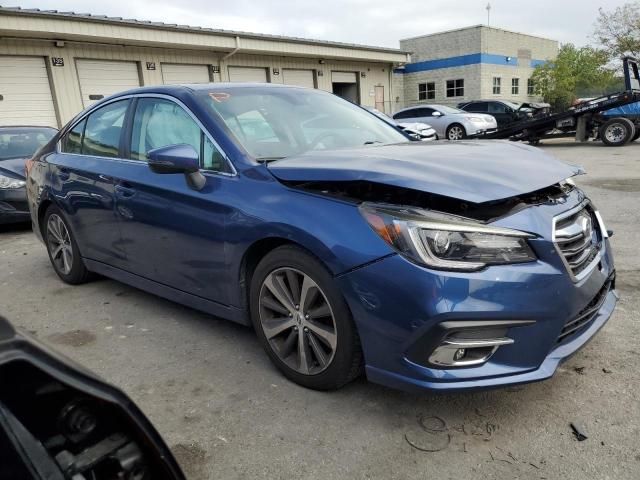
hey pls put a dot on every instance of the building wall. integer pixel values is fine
(471, 87)
(475, 54)
(66, 88)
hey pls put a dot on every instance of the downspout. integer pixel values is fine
(228, 55)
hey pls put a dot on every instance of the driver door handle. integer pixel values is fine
(124, 190)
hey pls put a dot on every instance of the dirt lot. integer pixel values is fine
(227, 413)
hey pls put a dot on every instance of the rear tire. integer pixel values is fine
(637, 134)
(455, 131)
(62, 248)
(617, 132)
(316, 345)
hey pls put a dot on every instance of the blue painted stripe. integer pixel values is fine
(462, 60)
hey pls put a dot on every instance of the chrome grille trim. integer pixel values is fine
(578, 238)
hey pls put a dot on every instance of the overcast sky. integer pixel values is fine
(371, 22)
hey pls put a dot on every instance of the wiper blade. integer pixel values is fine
(371, 142)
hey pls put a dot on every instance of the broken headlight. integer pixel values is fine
(446, 242)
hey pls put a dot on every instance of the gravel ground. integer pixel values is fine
(227, 413)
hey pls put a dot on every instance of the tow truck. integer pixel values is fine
(604, 118)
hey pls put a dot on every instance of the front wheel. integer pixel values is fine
(456, 132)
(617, 132)
(62, 248)
(302, 320)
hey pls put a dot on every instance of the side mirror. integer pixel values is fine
(436, 114)
(181, 158)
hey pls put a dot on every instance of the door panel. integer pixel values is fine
(25, 93)
(173, 73)
(172, 234)
(248, 74)
(101, 78)
(82, 178)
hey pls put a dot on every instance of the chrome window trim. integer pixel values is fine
(163, 96)
(589, 268)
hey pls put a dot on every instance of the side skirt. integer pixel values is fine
(213, 308)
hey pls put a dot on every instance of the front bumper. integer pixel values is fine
(13, 206)
(399, 308)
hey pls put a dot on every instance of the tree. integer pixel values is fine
(619, 31)
(575, 72)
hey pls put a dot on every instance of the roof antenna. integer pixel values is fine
(488, 13)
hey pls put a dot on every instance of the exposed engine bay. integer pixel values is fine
(365, 191)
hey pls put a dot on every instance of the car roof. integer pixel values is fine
(30, 127)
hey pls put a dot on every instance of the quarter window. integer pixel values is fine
(426, 91)
(102, 132)
(455, 88)
(497, 85)
(515, 86)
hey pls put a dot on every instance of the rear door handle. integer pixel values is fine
(63, 174)
(124, 190)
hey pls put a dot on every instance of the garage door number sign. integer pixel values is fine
(57, 61)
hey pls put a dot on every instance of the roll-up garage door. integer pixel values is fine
(343, 77)
(174, 73)
(101, 78)
(25, 93)
(300, 78)
(247, 74)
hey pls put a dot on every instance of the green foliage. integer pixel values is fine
(573, 72)
(619, 31)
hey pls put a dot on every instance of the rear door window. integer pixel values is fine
(103, 130)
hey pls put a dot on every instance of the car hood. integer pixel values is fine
(14, 166)
(472, 171)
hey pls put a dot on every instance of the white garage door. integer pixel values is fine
(174, 73)
(300, 78)
(247, 74)
(343, 77)
(25, 94)
(101, 78)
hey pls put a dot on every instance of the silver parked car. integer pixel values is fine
(418, 130)
(448, 122)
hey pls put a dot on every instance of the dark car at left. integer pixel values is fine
(17, 145)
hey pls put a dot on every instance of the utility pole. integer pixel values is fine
(488, 14)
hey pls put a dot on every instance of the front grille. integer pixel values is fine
(587, 314)
(578, 238)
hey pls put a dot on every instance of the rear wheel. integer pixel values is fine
(302, 320)
(637, 134)
(62, 248)
(456, 132)
(617, 132)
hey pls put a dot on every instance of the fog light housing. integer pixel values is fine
(466, 352)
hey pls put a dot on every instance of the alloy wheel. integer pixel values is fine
(297, 321)
(59, 244)
(456, 133)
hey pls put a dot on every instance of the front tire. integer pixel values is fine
(62, 248)
(456, 131)
(302, 320)
(617, 132)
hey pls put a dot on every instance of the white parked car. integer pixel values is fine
(448, 122)
(418, 130)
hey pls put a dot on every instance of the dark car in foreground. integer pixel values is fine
(60, 422)
(17, 144)
(430, 265)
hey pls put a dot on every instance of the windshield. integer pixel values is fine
(513, 105)
(449, 110)
(23, 142)
(274, 122)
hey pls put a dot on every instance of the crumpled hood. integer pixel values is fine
(473, 171)
(15, 167)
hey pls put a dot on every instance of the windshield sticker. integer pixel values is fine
(220, 96)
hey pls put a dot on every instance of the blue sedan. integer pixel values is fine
(347, 247)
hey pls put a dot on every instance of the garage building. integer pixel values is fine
(54, 64)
